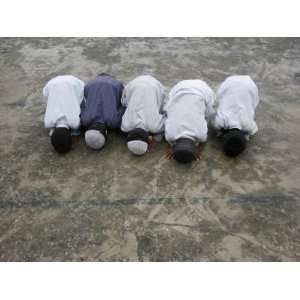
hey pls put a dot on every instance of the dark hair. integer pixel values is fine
(104, 74)
(138, 134)
(100, 127)
(184, 150)
(234, 142)
(61, 140)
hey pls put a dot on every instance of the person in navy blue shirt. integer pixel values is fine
(102, 109)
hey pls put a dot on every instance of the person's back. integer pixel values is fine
(144, 98)
(102, 110)
(64, 96)
(237, 99)
(103, 102)
(188, 109)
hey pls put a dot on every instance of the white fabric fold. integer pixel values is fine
(64, 95)
(237, 99)
(189, 108)
(144, 99)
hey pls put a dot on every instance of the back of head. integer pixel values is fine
(61, 140)
(137, 141)
(94, 139)
(234, 143)
(184, 150)
(137, 147)
(95, 136)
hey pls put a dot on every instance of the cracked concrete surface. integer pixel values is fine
(111, 206)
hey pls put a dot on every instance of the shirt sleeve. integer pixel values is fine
(124, 100)
(79, 88)
(45, 91)
(165, 104)
(164, 100)
(217, 123)
(83, 104)
(254, 129)
(210, 110)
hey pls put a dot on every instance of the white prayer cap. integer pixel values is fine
(137, 147)
(94, 139)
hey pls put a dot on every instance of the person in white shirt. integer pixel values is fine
(237, 99)
(188, 109)
(64, 96)
(143, 98)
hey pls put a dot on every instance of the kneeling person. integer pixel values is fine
(189, 108)
(65, 95)
(102, 109)
(237, 99)
(144, 99)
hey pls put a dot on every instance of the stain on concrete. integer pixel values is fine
(111, 206)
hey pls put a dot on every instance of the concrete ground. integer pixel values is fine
(111, 206)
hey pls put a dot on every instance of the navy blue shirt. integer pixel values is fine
(103, 102)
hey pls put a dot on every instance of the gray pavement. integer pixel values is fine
(111, 206)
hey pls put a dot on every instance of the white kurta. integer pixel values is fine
(144, 99)
(188, 109)
(237, 98)
(65, 94)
